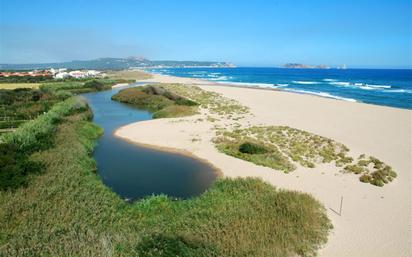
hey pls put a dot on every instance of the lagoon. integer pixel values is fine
(133, 171)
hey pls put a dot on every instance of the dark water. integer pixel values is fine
(133, 171)
(374, 86)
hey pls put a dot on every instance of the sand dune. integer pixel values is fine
(374, 221)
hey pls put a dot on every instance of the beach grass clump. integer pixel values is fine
(255, 151)
(294, 145)
(175, 111)
(67, 209)
(372, 171)
(287, 146)
(155, 98)
(214, 102)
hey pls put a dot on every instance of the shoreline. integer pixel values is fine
(204, 82)
(364, 128)
(181, 152)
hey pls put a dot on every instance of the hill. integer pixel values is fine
(116, 64)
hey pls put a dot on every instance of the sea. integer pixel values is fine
(388, 87)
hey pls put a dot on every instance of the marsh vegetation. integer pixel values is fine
(63, 207)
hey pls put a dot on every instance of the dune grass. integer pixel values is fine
(214, 102)
(136, 96)
(286, 147)
(175, 111)
(66, 210)
(161, 102)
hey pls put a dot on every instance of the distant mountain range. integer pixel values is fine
(116, 64)
(306, 66)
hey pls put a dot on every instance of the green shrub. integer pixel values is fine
(94, 84)
(354, 168)
(365, 178)
(15, 167)
(252, 148)
(156, 99)
(174, 111)
(137, 97)
(185, 101)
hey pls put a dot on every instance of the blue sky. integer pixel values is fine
(363, 33)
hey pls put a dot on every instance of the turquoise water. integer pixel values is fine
(374, 86)
(134, 172)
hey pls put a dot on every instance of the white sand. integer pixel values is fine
(375, 221)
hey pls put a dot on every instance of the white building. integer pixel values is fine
(61, 75)
(77, 74)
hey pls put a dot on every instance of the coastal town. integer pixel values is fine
(55, 73)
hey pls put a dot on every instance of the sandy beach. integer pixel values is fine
(375, 221)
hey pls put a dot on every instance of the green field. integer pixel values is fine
(19, 85)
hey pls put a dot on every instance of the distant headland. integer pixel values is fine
(118, 64)
(306, 66)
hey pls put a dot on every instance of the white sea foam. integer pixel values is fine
(280, 85)
(219, 78)
(397, 91)
(378, 86)
(340, 83)
(305, 82)
(323, 94)
(329, 80)
(247, 84)
(197, 72)
(359, 85)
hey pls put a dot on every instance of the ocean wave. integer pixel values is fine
(280, 85)
(249, 84)
(219, 78)
(340, 83)
(330, 80)
(323, 94)
(305, 82)
(358, 85)
(379, 86)
(197, 72)
(397, 91)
